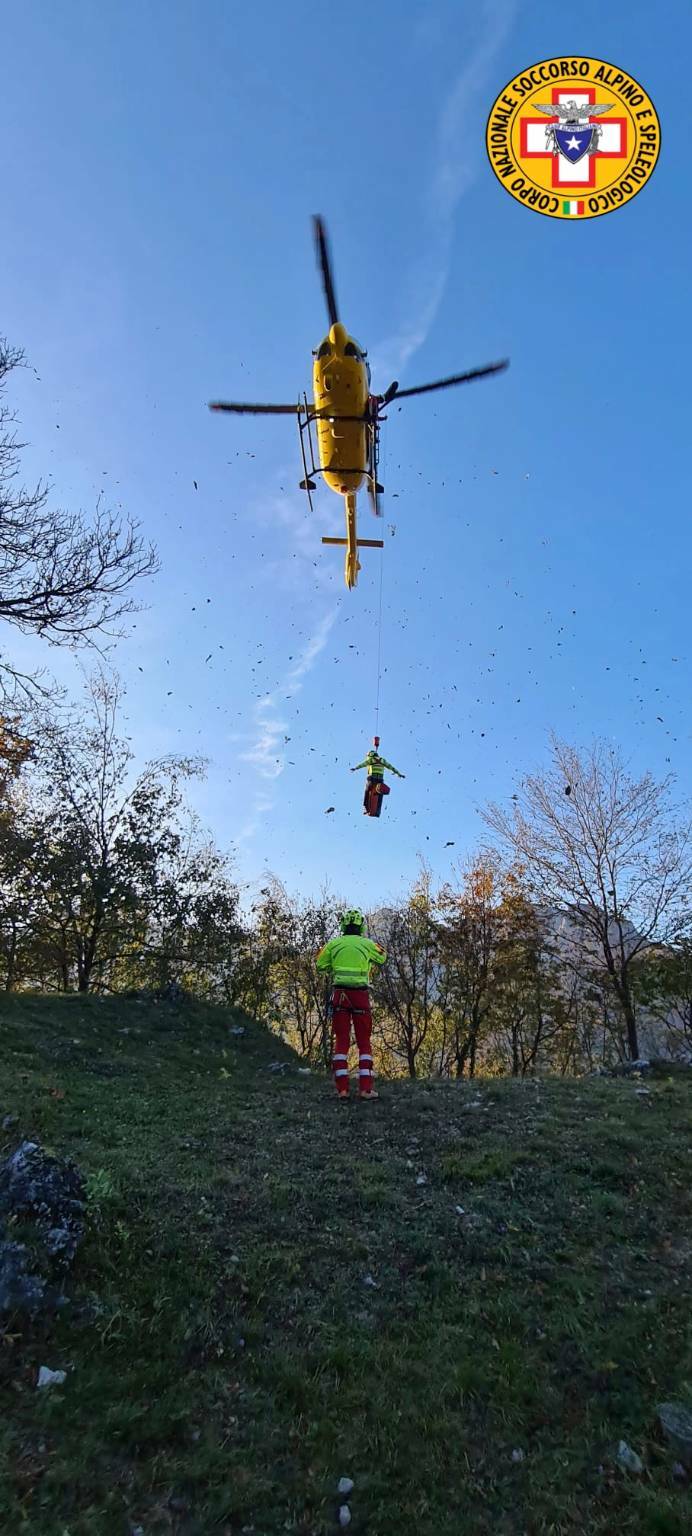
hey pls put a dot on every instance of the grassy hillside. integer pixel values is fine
(276, 1292)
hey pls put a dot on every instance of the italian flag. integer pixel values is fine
(572, 207)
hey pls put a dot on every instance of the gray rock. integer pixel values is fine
(676, 1422)
(9, 1121)
(345, 1485)
(48, 1191)
(517, 1456)
(237, 1029)
(629, 1460)
(344, 1516)
(20, 1290)
(679, 1472)
(46, 1196)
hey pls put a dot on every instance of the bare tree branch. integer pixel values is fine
(608, 852)
(61, 576)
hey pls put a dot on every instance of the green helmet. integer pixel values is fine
(352, 919)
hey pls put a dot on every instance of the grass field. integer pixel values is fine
(462, 1297)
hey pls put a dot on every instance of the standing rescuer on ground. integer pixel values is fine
(348, 959)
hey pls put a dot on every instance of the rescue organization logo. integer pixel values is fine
(573, 138)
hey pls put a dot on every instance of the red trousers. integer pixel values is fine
(351, 1004)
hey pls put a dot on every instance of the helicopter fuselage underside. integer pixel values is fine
(341, 390)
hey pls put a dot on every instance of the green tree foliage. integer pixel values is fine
(22, 892)
(278, 979)
(15, 750)
(510, 1006)
(662, 982)
(106, 881)
(408, 990)
(468, 936)
(528, 1021)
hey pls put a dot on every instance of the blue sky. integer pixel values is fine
(161, 163)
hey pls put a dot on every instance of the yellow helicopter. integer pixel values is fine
(346, 414)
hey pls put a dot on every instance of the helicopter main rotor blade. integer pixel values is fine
(456, 378)
(325, 266)
(243, 409)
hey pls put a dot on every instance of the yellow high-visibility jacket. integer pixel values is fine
(376, 766)
(349, 958)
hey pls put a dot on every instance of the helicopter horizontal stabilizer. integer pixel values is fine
(362, 543)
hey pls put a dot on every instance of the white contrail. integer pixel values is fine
(267, 753)
(459, 150)
(269, 728)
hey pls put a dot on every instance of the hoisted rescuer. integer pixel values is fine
(375, 780)
(348, 959)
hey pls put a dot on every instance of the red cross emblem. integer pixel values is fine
(534, 146)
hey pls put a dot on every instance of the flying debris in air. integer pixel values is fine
(329, 810)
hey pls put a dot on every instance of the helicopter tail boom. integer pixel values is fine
(352, 543)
